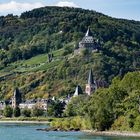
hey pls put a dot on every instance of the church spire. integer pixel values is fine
(91, 85)
(90, 77)
(88, 33)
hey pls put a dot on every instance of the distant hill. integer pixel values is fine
(25, 42)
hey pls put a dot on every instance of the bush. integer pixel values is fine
(137, 124)
(16, 112)
(26, 112)
(8, 111)
(71, 123)
(36, 112)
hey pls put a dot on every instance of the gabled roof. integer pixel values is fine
(78, 91)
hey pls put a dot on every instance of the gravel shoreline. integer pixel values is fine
(113, 133)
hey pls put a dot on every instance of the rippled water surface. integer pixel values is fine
(29, 132)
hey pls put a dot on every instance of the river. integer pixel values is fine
(13, 131)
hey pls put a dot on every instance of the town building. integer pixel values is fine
(30, 104)
(2, 105)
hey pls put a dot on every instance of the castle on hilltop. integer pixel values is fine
(88, 42)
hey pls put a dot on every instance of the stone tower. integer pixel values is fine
(91, 85)
(16, 99)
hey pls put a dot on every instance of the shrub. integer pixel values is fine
(16, 112)
(8, 111)
(26, 112)
(36, 112)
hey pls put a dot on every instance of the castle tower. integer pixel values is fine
(91, 85)
(88, 42)
(16, 99)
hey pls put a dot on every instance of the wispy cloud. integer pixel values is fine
(66, 4)
(17, 7)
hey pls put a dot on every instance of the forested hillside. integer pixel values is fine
(25, 42)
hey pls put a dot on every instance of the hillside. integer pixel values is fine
(25, 42)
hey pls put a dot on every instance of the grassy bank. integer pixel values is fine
(72, 123)
(47, 119)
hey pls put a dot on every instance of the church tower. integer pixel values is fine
(16, 99)
(91, 85)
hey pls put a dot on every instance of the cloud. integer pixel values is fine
(66, 4)
(17, 7)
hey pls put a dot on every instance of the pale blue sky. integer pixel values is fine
(129, 9)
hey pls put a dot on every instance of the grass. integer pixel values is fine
(39, 62)
(43, 58)
(47, 119)
(36, 60)
(71, 123)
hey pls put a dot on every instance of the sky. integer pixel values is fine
(128, 9)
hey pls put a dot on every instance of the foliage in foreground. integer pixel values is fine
(116, 107)
(71, 123)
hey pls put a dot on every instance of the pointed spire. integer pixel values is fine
(90, 78)
(78, 91)
(88, 33)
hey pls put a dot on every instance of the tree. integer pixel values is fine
(26, 112)
(16, 112)
(36, 112)
(8, 111)
(56, 108)
(76, 106)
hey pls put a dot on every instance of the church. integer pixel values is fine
(91, 86)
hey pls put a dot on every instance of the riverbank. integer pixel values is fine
(96, 133)
(41, 120)
(27, 122)
(113, 133)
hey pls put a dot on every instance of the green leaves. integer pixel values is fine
(8, 111)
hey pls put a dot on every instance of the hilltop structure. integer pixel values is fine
(88, 42)
(91, 86)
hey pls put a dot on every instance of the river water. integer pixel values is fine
(29, 132)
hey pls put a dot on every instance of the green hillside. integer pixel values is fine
(25, 42)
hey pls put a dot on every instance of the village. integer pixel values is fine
(89, 43)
